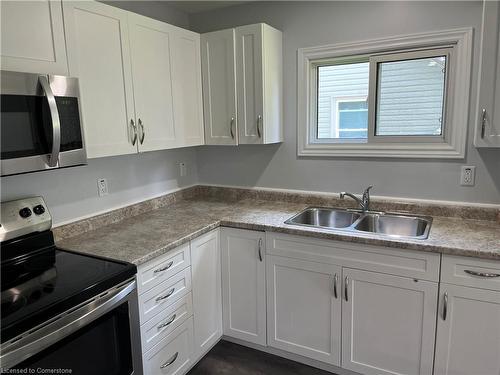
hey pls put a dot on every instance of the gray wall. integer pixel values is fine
(72, 193)
(307, 24)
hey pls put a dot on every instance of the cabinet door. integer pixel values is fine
(188, 103)
(249, 82)
(244, 285)
(151, 49)
(468, 335)
(388, 324)
(219, 87)
(32, 37)
(207, 298)
(304, 308)
(98, 54)
(488, 116)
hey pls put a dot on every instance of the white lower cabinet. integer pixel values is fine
(207, 298)
(304, 308)
(468, 331)
(388, 323)
(244, 285)
(174, 354)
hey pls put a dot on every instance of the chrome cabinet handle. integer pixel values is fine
(335, 281)
(259, 122)
(231, 127)
(56, 124)
(143, 133)
(445, 305)
(170, 292)
(170, 361)
(260, 249)
(483, 122)
(346, 287)
(170, 321)
(164, 268)
(134, 130)
(482, 274)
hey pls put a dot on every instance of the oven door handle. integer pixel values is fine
(56, 123)
(43, 336)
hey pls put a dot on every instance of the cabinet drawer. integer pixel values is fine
(173, 354)
(163, 323)
(159, 269)
(478, 273)
(164, 294)
(401, 262)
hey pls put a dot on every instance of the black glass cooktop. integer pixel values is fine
(40, 281)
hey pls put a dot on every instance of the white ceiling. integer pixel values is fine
(201, 6)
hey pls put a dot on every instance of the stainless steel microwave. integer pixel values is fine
(40, 123)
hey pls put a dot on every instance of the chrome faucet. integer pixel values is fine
(364, 202)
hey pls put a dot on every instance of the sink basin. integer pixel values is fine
(374, 223)
(395, 225)
(325, 217)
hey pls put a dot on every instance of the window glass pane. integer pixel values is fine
(342, 93)
(410, 97)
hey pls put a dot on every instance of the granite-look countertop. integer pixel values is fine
(143, 237)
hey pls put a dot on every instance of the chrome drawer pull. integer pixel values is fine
(260, 249)
(259, 121)
(231, 123)
(170, 321)
(170, 361)
(164, 268)
(166, 295)
(134, 131)
(482, 274)
(143, 133)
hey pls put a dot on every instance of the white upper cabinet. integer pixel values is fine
(488, 108)
(468, 331)
(140, 80)
(32, 37)
(242, 68)
(219, 87)
(151, 49)
(99, 55)
(186, 83)
(388, 324)
(244, 285)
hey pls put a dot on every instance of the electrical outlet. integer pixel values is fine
(182, 169)
(468, 175)
(102, 187)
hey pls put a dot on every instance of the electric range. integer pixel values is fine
(57, 305)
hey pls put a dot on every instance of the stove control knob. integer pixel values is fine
(39, 210)
(25, 212)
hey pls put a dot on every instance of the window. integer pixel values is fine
(406, 97)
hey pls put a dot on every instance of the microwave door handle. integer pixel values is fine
(56, 124)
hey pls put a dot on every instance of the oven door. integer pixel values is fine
(40, 123)
(100, 337)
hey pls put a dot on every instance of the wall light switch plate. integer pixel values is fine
(182, 169)
(468, 175)
(102, 187)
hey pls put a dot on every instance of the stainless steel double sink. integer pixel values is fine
(356, 221)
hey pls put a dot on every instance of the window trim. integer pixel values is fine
(453, 145)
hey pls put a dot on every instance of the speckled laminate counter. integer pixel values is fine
(145, 236)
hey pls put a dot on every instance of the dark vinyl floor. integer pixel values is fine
(231, 359)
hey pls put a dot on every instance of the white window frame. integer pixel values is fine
(335, 110)
(451, 145)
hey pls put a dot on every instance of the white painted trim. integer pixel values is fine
(335, 195)
(460, 39)
(130, 203)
